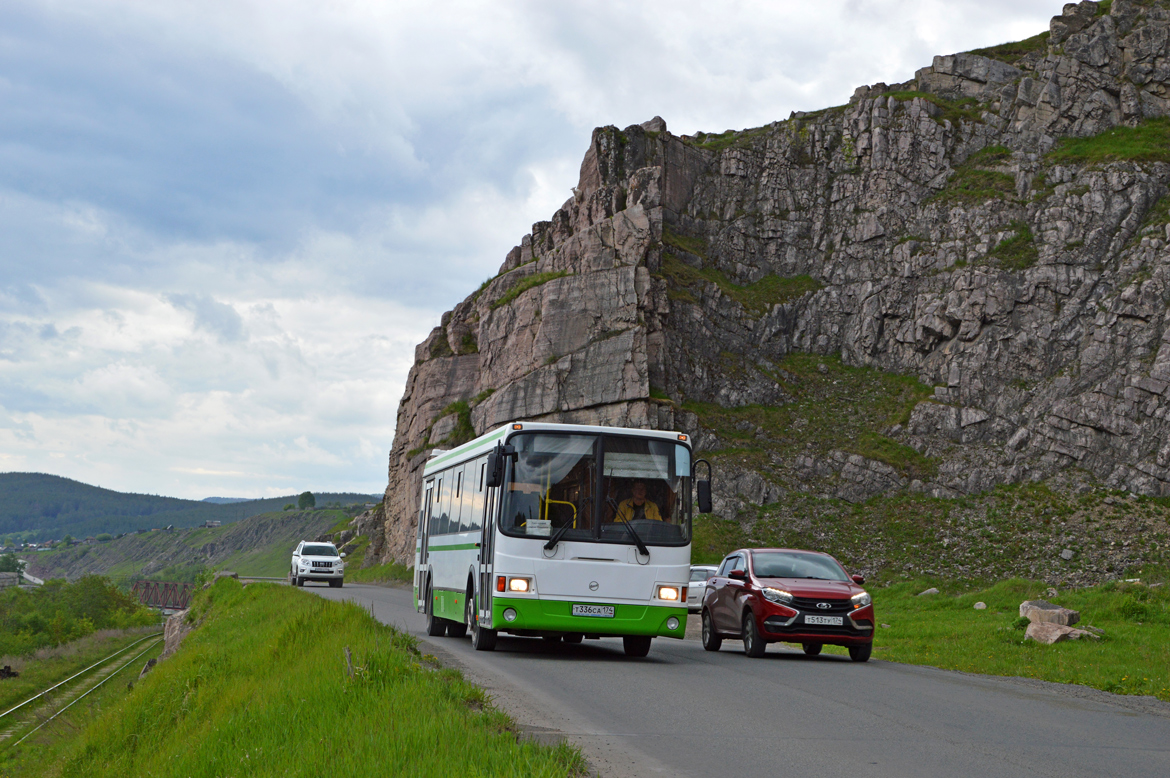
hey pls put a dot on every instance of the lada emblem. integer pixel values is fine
(824, 606)
(593, 586)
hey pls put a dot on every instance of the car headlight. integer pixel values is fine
(861, 599)
(777, 595)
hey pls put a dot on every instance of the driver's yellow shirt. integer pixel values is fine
(627, 510)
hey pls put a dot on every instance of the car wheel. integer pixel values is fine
(573, 637)
(753, 644)
(636, 645)
(340, 583)
(861, 653)
(712, 640)
(812, 649)
(334, 584)
(298, 581)
(436, 626)
(482, 638)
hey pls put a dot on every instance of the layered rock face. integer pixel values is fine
(931, 228)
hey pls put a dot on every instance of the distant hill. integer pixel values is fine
(225, 500)
(258, 545)
(37, 507)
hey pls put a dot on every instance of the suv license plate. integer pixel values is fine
(828, 621)
(603, 611)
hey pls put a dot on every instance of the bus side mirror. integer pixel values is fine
(704, 496)
(703, 487)
(495, 464)
(495, 470)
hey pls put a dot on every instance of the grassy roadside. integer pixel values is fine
(262, 689)
(945, 631)
(50, 665)
(387, 573)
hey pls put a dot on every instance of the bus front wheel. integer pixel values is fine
(482, 638)
(636, 645)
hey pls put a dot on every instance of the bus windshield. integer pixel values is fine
(586, 487)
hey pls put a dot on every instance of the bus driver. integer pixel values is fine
(638, 507)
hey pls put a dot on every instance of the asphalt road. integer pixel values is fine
(683, 711)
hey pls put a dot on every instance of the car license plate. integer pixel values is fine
(827, 621)
(603, 611)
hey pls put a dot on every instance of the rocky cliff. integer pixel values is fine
(986, 244)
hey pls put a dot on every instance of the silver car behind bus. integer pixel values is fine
(698, 585)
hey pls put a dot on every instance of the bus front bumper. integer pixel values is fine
(556, 616)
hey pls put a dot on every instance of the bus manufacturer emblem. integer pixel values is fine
(593, 586)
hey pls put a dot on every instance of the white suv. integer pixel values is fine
(313, 561)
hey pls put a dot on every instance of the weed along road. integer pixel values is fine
(688, 712)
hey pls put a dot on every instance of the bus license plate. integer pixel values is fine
(828, 621)
(603, 611)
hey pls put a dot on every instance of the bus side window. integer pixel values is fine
(443, 504)
(458, 499)
(436, 499)
(473, 502)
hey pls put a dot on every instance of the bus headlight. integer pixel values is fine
(519, 584)
(672, 623)
(668, 593)
(509, 614)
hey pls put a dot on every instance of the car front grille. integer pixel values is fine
(322, 564)
(810, 605)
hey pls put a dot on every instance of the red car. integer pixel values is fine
(781, 595)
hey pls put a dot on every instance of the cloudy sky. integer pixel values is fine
(224, 224)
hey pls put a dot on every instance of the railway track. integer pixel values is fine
(69, 691)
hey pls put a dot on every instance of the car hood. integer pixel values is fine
(808, 587)
(321, 559)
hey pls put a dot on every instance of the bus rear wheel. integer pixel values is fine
(436, 626)
(636, 645)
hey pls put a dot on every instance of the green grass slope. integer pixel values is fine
(262, 688)
(258, 545)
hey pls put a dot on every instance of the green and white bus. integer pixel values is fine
(559, 531)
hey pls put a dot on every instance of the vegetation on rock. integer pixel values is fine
(526, 283)
(1149, 141)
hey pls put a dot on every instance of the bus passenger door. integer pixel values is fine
(486, 547)
(424, 536)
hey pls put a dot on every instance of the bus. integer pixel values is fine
(558, 531)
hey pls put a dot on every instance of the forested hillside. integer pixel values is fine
(35, 507)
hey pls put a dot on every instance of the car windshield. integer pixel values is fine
(796, 564)
(701, 573)
(556, 488)
(318, 551)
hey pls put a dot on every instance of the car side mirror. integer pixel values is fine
(739, 575)
(703, 487)
(858, 579)
(343, 554)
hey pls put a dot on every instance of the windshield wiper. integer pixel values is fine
(552, 542)
(637, 540)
